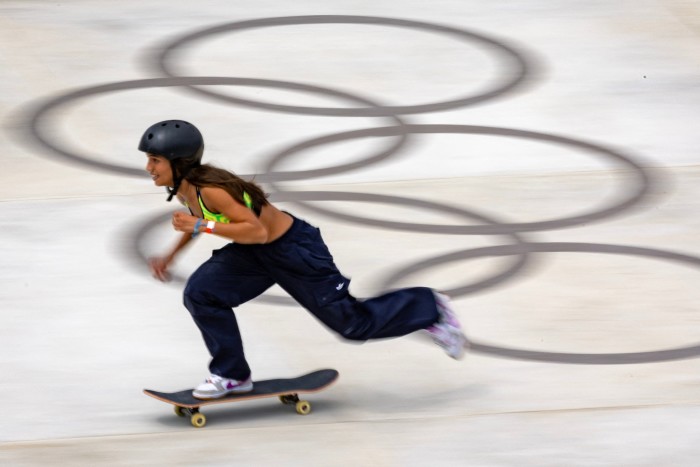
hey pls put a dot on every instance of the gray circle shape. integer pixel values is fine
(516, 63)
(634, 194)
(624, 358)
(38, 119)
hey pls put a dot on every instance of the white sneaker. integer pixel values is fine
(447, 332)
(216, 386)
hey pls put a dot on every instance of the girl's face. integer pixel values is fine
(160, 170)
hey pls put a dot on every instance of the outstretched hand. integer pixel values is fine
(159, 268)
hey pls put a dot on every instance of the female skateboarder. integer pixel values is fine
(267, 246)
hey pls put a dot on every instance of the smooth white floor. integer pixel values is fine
(580, 358)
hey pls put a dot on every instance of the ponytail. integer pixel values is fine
(207, 175)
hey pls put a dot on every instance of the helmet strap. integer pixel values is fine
(178, 180)
(172, 191)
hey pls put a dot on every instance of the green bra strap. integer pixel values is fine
(248, 200)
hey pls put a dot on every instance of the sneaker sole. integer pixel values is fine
(206, 397)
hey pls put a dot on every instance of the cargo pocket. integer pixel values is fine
(331, 290)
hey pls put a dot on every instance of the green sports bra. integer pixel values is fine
(217, 217)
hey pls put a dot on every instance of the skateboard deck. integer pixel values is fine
(286, 389)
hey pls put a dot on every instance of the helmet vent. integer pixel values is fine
(173, 139)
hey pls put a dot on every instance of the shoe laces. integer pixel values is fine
(214, 378)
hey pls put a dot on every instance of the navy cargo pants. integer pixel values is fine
(301, 264)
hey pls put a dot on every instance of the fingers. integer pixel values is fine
(183, 222)
(159, 269)
(177, 220)
(163, 276)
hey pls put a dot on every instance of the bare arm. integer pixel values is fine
(244, 227)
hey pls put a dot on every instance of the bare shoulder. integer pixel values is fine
(214, 196)
(213, 191)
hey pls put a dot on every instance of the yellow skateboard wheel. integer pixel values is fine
(303, 407)
(198, 420)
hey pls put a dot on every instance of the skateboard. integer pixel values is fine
(286, 389)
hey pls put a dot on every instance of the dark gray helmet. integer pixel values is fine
(173, 139)
(178, 141)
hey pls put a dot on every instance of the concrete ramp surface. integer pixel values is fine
(537, 160)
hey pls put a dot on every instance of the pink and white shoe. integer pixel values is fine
(447, 331)
(216, 386)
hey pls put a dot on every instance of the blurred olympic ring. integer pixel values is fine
(635, 193)
(516, 64)
(39, 117)
(624, 358)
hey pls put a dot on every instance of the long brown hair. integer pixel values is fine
(205, 175)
